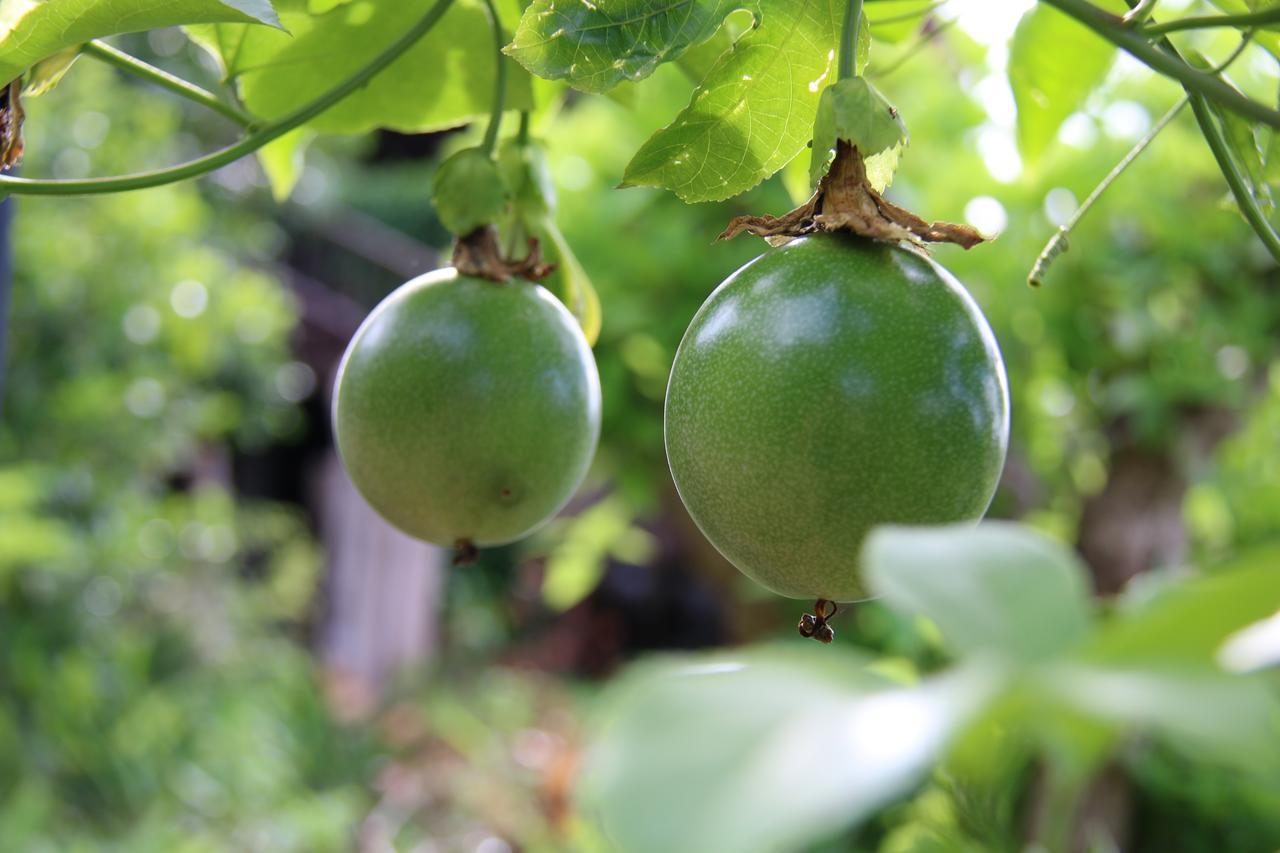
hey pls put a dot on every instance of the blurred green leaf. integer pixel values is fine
(997, 588)
(1233, 717)
(745, 122)
(893, 21)
(1187, 623)
(584, 545)
(763, 750)
(1054, 64)
(282, 161)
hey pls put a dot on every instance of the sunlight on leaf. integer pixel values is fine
(1054, 63)
(753, 113)
(34, 31)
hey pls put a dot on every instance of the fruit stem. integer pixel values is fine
(499, 82)
(104, 52)
(848, 65)
(247, 145)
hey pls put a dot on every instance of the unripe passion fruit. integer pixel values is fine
(466, 410)
(827, 387)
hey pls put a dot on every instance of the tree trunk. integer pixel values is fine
(383, 593)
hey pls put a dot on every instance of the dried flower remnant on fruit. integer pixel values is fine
(846, 201)
(814, 625)
(11, 119)
(479, 254)
(465, 552)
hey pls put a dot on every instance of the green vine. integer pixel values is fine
(1058, 243)
(1205, 22)
(499, 82)
(1167, 62)
(131, 64)
(848, 62)
(267, 133)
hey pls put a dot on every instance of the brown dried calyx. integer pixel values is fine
(479, 254)
(11, 118)
(846, 201)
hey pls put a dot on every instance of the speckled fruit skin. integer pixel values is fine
(466, 409)
(827, 387)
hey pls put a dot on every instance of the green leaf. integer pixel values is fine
(1266, 36)
(1244, 139)
(583, 547)
(1054, 63)
(282, 161)
(997, 588)
(595, 46)
(854, 111)
(764, 750)
(46, 73)
(445, 80)
(894, 21)
(1232, 716)
(34, 30)
(747, 119)
(468, 191)
(1188, 623)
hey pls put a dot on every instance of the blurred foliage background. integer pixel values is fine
(162, 571)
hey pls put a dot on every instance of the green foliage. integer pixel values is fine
(999, 589)
(149, 699)
(1054, 63)
(595, 47)
(276, 72)
(789, 748)
(853, 111)
(744, 123)
(762, 750)
(33, 31)
(532, 214)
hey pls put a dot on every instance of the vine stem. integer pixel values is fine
(1204, 22)
(216, 160)
(848, 62)
(104, 52)
(1167, 62)
(499, 82)
(1227, 163)
(1139, 14)
(1058, 242)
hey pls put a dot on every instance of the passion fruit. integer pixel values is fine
(827, 387)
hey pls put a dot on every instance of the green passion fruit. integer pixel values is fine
(827, 387)
(467, 411)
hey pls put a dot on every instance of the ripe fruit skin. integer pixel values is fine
(827, 387)
(466, 409)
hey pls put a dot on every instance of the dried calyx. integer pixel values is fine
(11, 118)
(479, 254)
(846, 201)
